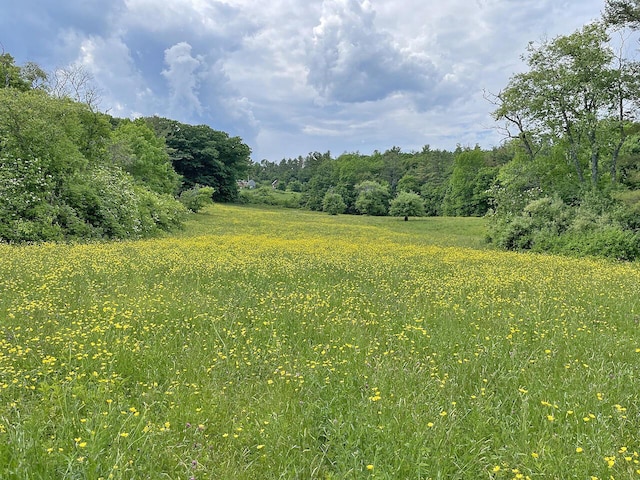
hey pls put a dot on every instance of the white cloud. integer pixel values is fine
(182, 76)
(351, 60)
(293, 76)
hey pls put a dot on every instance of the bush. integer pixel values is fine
(540, 218)
(373, 198)
(407, 204)
(26, 214)
(159, 212)
(606, 242)
(269, 196)
(196, 198)
(333, 203)
(592, 228)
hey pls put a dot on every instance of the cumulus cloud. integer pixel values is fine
(182, 76)
(351, 60)
(292, 76)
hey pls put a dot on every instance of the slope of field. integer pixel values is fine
(266, 344)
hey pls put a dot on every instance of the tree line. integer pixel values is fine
(565, 180)
(68, 171)
(445, 183)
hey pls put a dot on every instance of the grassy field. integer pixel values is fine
(265, 344)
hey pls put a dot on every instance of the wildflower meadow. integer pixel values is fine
(271, 344)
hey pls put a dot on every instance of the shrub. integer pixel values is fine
(196, 198)
(373, 198)
(333, 204)
(592, 228)
(407, 204)
(159, 211)
(269, 196)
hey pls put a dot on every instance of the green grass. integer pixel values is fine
(444, 231)
(263, 343)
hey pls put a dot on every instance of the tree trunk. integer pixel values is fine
(576, 164)
(614, 161)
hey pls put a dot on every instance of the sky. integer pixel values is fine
(292, 77)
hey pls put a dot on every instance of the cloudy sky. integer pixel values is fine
(295, 76)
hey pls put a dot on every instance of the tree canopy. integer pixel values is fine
(204, 156)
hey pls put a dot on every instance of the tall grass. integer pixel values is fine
(283, 344)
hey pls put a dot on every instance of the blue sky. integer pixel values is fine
(295, 76)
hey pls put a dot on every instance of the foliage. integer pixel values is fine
(333, 204)
(599, 226)
(409, 183)
(15, 77)
(139, 152)
(269, 196)
(294, 186)
(196, 198)
(204, 156)
(109, 201)
(622, 12)
(468, 191)
(373, 198)
(407, 204)
(58, 181)
(576, 93)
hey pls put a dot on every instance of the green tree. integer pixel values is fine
(55, 180)
(434, 168)
(467, 193)
(333, 204)
(204, 156)
(622, 13)
(196, 198)
(316, 188)
(407, 204)
(574, 82)
(373, 198)
(408, 183)
(138, 151)
(11, 75)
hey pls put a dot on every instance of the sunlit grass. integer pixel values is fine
(283, 344)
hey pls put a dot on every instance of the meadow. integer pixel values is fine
(278, 344)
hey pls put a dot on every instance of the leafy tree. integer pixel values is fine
(56, 182)
(373, 198)
(433, 169)
(333, 203)
(467, 193)
(294, 186)
(630, 163)
(318, 185)
(11, 75)
(409, 183)
(47, 131)
(573, 85)
(138, 151)
(407, 204)
(204, 156)
(311, 163)
(622, 13)
(353, 168)
(393, 168)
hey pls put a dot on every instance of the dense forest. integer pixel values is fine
(565, 180)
